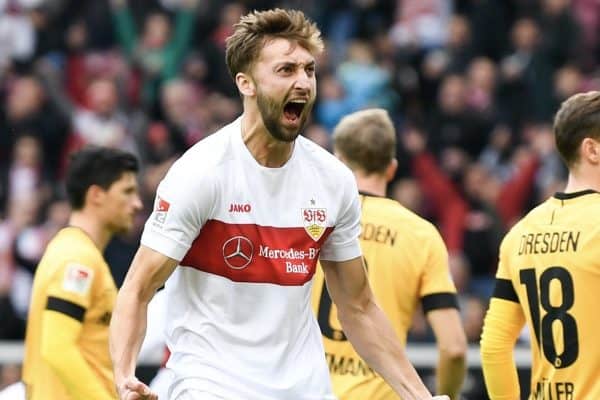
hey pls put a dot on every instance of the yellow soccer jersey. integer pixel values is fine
(66, 345)
(407, 262)
(550, 266)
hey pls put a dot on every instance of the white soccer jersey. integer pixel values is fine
(239, 322)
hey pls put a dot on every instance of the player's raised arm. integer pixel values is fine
(368, 328)
(148, 272)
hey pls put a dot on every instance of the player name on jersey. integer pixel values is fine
(378, 233)
(549, 242)
(344, 365)
(547, 390)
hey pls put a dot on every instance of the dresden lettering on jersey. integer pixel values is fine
(549, 242)
(378, 233)
(344, 365)
(547, 390)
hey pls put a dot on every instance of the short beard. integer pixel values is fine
(271, 113)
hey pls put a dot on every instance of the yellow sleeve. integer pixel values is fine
(503, 322)
(69, 295)
(437, 291)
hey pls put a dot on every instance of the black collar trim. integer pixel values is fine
(369, 194)
(567, 196)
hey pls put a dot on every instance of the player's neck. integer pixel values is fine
(266, 150)
(578, 182)
(93, 227)
(372, 183)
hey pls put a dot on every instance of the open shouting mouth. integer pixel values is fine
(292, 110)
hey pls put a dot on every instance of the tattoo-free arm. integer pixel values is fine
(452, 348)
(148, 272)
(368, 329)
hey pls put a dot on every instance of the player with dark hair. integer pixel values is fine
(66, 344)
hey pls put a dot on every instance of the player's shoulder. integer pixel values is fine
(323, 160)
(73, 240)
(72, 246)
(533, 216)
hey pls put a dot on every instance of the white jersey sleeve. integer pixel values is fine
(343, 244)
(184, 201)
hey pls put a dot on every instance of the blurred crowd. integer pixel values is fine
(471, 85)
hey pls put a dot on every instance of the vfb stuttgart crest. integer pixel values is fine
(314, 220)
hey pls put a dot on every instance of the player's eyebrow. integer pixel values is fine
(294, 64)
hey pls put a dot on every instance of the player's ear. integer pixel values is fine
(390, 170)
(245, 84)
(95, 195)
(591, 150)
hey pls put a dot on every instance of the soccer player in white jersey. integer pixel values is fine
(238, 225)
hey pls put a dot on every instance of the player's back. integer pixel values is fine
(406, 262)
(72, 278)
(553, 258)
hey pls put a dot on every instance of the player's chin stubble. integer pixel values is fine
(271, 112)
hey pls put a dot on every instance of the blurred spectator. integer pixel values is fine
(481, 88)
(453, 58)
(159, 51)
(28, 111)
(101, 123)
(453, 123)
(365, 83)
(526, 75)
(17, 36)
(179, 102)
(333, 102)
(560, 33)
(421, 24)
(14, 289)
(24, 176)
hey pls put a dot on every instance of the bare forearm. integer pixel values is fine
(376, 342)
(450, 374)
(127, 331)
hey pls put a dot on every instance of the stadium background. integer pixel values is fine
(471, 86)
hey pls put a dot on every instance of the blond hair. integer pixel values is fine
(366, 140)
(256, 28)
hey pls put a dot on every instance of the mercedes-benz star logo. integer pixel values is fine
(237, 252)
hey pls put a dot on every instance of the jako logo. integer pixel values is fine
(240, 208)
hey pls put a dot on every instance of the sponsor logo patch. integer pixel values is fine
(238, 252)
(78, 279)
(314, 221)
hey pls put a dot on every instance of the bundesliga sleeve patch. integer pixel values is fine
(78, 279)
(161, 210)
